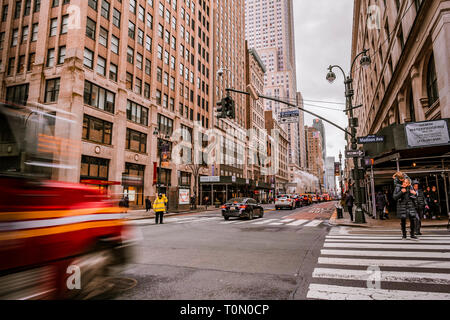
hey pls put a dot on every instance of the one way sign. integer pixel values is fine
(354, 153)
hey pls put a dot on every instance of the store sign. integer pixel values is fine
(183, 196)
(289, 116)
(427, 133)
(210, 179)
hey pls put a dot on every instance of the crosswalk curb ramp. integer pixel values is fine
(380, 266)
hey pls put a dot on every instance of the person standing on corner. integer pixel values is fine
(405, 196)
(433, 202)
(420, 206)
(166, 202)
(349, 202)
(380, 202)
(148, 204)
(160, 207)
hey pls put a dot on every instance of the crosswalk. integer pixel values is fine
(272, 222)
(382, 267)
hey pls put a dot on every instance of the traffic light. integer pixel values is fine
(221, 111)
(226, 108)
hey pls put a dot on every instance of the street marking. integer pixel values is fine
(227, 222)
(406, 254)
(287, 220)
(384, 237)
(313, 223)
(408, 245)
(276, 224)
(265, 221)
(386, 263)
(297, 223)
(388, 276)
(423, 241)
(193, 220)
(321, 291)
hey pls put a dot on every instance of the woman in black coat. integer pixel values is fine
(405, 196)
(380, 203)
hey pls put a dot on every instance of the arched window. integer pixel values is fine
(432, 87)
(412, 115)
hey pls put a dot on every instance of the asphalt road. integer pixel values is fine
(204, 257)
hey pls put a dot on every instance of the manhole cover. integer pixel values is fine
(121, 283)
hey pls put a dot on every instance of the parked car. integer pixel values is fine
(284, 201)
(242, 208)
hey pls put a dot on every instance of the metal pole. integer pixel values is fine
(446, 190)
(398, 164)
(159, 171)
(372, 182)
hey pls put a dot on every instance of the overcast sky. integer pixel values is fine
(323, 37)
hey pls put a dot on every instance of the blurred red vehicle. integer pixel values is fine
(56, 238)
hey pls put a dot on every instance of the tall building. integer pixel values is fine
(318, 124)
(407, 81)
(314, 154)
(269, 28)
(330, 178)
(301, 130)
(122, 68)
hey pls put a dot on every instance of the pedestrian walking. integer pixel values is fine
(206, 199)
(193, 201)
(433, 202)
(148, 204)
(159, 205)
(349, 203)
(387, 207)
(420, 206)
(126, 202)
(405, 196)
(380, 203)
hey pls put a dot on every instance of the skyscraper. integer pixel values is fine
(269, 28)
(318, 124)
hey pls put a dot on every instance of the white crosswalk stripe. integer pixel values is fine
(297, 223)
(313, 223)
(382, 267)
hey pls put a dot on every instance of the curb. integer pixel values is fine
(380, 227)
(152, 215)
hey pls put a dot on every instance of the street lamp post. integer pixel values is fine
(340, 175)
(160, 146)
(349, 92)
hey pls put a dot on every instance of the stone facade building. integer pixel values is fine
(314, 154)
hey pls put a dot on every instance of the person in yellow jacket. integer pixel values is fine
(166, 202)
(160, 207)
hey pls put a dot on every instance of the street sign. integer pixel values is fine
(427, 133)
(370, 139)
(289, 116)
(354, 153)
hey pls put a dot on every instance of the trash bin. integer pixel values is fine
(339, 213)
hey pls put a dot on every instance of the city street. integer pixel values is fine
(285, 255)
(203, 256)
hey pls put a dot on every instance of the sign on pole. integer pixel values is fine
(289, 116)
(370, 139)
(427, 133)
(354, 153)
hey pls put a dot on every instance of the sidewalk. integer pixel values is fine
(142, 214)
(391, 223)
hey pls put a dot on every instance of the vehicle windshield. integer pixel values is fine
(28, 142)
(236, 200)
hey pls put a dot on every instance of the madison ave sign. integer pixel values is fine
(370, 139)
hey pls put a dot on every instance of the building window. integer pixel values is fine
(98, 97)
(165, 125)
(31, 59)
(101, 66)
(17, 94)
(138, 86)
(130, 55)
(137, 113)
(50, 57)
(432, 85)
(116, 18)
(24, 34)
(148, 66)
(97, 130)
(17, 9)
(103, 38)
(158, 97)
(114, 44)
(15, 36)
(93, 4)
(52, 90)
(35, 29)
(105, 9)
(136, 141)
(147, 90)
(90, 28)
(112, 72)
(129, 81)
(412, 114)
(61, 54)
(88, 58)
(53, 27)
(94, 168)
(64, 24)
